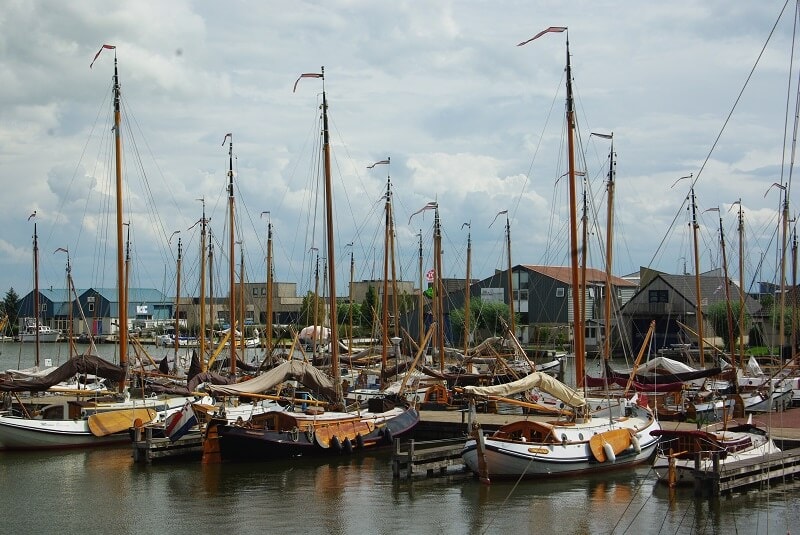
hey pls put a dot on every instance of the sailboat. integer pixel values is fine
(310, 429)
(617, 434)
(32, 329)
(59, 422)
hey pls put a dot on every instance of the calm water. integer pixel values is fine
(104, 491)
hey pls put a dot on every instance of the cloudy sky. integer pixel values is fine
(468, 119)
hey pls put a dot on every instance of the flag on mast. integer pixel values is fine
(109, 47)
(432, 205)
(306, 75)
(557, 29)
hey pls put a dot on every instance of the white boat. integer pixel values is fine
(46, 333)
(68, 423)
(736, 443)
(612, 437)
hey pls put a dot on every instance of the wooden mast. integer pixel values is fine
(741, 286)
(511, 317)
(467, 313)
(700, 340)
(36, 304)
(609, 248)
(331, 264)
(421, 298)
(577, 314)
(268, 326)
(122, 286)
(438, 288)
(232, 258)
(177, 305)
(203, 287)
(385, 299)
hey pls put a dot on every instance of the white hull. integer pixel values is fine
(512, 458)
(20, 433)
(44, 337)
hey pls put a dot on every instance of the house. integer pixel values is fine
(671, 300)
(543, 298)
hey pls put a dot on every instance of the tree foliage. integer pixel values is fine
(717, 315)
(11, 306)
(369, 306)
(484, 316)
(307, 309)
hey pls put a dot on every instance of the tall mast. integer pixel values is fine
(700, 341)
(511, 314)
(385, 300)
(350, 308)
(268, 326)
(36, 304)
(438, 286)
(785, 236)
(232, 257)
(577, 314)
(467, 294)
(609, 246)
(331, 265)
(203, 285)
(176, 344)
(121, 280)
(315, 315)
(741, 286)
(421, 299)
(211, 309)
(331, 249)
(242, 342)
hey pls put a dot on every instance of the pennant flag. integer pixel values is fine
(501, 212)
(306, 75)
(386, 161)
(110, 47)
(432, 205)
(179, 423)
(32, 215)
(541, 33)
(61, 249)
(228, 135)
(604, 136)
(466, 225)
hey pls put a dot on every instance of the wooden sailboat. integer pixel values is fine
(62, 423)
(314, 431)
(613, 436)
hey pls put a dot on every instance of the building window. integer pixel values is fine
(263, 291)
(559, 292)
(91, 306)
(523, 295)
(255, 292)
(658, 296)
(43, 307)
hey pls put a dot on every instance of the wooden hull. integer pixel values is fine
(514, 458)
(240, 443)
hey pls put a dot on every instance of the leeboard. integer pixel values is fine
(619, 439)
(107, 423)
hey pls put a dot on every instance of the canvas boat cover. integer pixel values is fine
(539, 380)
(82, 364)
(303, 372)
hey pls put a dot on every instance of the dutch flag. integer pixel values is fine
(179, 423)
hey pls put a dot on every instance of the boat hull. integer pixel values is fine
(18, 433)
(514, 458)
(240, 443)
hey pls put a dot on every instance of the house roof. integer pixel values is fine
(564, 274)
(135, 295)
(712, 289)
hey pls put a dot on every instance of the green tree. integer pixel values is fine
(11, 307)
(717, 315)
(369, 306)
(307, 309)
(485, 316)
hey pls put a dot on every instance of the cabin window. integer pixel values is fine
(658, 296)
(559, 292)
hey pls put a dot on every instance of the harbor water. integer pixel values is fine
(105, 491)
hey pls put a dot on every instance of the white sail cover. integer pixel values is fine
(539, 380)
(300, 371)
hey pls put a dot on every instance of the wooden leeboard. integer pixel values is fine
(107, 423)
(618, 438)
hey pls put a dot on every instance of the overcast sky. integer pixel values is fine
(468, 119)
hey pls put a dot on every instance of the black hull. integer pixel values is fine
(242, 444)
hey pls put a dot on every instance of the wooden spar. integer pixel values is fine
(220, 347)
(203, 288)
(231, 257)
(698, 295)
(330, 242)
(438, 298)
(177, 305)
(270, 289)
(420, 351)
(122, 287)
(694, 333)
(741, 287)
(385, 297)
(511, 317)
(36, 305)
(639, 356)
(519, 403)
(467, 312)
(577, 313)
(350, 309)
(421, 299)
(785, 235)
(609, 252)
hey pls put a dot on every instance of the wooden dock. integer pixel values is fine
(147, 448)
(429, 457)
(737, 476)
